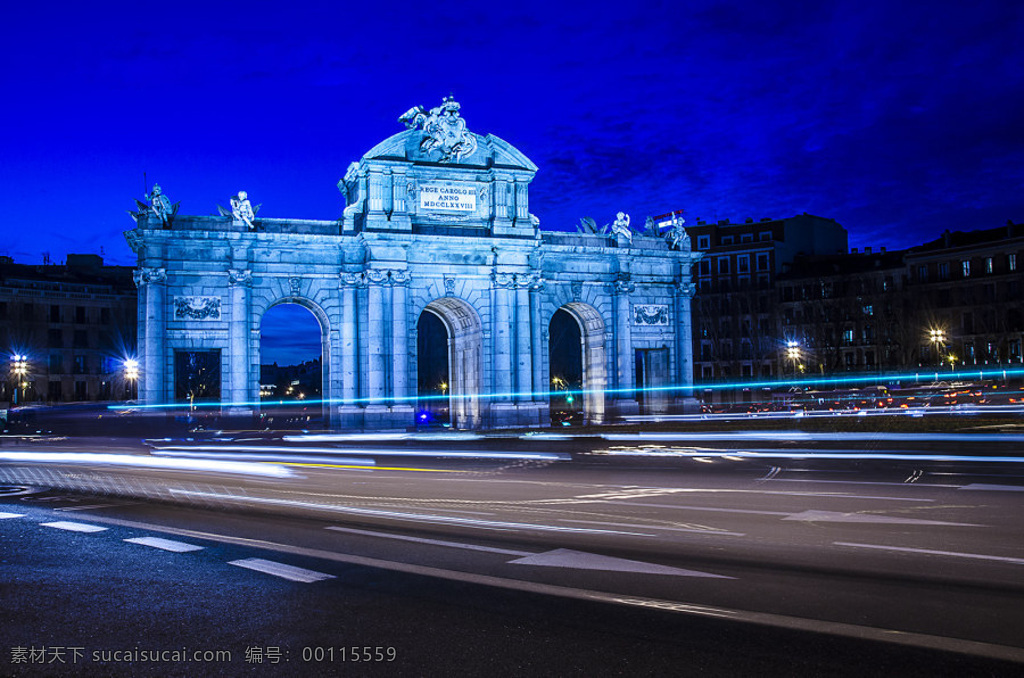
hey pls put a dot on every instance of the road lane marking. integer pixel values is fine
(415, 517)
(643, 492)
(708, 530)
(842, 629)
(579, 560)
(434, 542)
(838, 517)
(858, 482)
(993, 488)
(11, 515)
(701, 508)
(87, 508)
(932, 552)
(74, 527)
(165, 544)
(289, 572)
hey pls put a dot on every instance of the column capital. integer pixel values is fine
(686, 288)
(239, 277)
(352, 279)
(146, 275)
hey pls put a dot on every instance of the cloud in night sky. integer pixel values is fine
(899, 120)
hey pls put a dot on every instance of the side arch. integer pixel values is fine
(326, 348)
(595, 371)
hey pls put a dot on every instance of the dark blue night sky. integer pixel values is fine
(897, 119)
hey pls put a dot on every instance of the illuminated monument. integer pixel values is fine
(437, 222)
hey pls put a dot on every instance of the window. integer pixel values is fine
(55, 339)
(747, 237)
(922, 273)
(1011, 262)
(703, 242)
(944, 270)
(988, 264)
(869, 310)
(969, 351)
(56, 364)
(3, 310)
(766, 235)
(728, 240)
(80, 364)
(53, 392)
(55, 314)
(723, 265)
(105, 316)
(762, 261)
(705, 267)
(81, 339)
(28, 311)
(968, 323)
(80, 392)
(848, 336)
(743, 264)
(965, 266)
(80, 314)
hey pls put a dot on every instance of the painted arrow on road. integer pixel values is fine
(580, 560)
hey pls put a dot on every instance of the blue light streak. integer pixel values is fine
(905, 378)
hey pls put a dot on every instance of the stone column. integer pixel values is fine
(685, 291)
(153, 387)
(625, 398)
(540, 381)
(524, 342)
(375, 335)
(501, 408)
(350, 282)
(400, 349)
(240, 283)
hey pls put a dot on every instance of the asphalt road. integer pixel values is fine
(636, 562)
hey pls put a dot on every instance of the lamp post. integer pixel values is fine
(937, 336)
(19, 369)
(131, 374)
(793, 353)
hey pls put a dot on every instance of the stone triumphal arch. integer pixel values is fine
(438, 222)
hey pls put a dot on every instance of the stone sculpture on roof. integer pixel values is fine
(444, 130)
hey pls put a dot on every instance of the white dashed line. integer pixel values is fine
(989, 487)
(433, 542)
(931, 552)
(11, 515)
(165, 544)
(74, 527)
(281, 570)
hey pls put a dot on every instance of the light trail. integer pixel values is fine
(135, 461)
(370, 452)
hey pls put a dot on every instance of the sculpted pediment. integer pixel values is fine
(490, 151)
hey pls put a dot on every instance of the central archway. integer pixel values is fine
(465, 337)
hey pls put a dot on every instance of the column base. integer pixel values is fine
(530, 414)
(388, 417)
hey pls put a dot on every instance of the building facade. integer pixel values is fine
(74, 324)
(736, 330)
(437, 222)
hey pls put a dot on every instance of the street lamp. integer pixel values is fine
(937, 336)
(793, 353)
(131, 373)
(19, 369)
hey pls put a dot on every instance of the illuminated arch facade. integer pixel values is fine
(424, 232)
